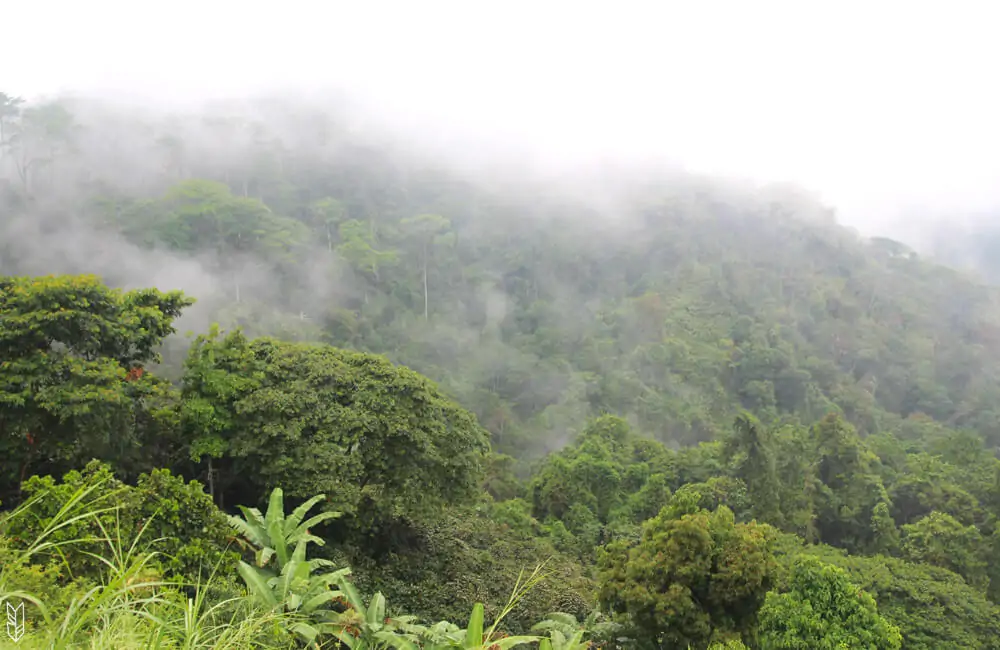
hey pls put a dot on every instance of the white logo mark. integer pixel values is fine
(15, 621)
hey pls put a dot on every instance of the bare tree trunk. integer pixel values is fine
(23, 166)
(211, 479)
(425, 283)
(236, 284)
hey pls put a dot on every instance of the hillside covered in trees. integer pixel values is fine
(661, 410)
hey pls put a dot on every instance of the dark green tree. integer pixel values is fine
(851, 486)
(689, 578)
(381, 440)
(72, 378)
(941, 540)
(748, 451)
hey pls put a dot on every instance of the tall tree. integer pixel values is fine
(427, 231)
(749, 451)
(39, 137)
(851, 486)
(71, 378)
(381, 440)
(324, 217)
(357, 247)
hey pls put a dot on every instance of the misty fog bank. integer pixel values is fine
(131, 146)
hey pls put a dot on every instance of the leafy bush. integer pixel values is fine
(191, 536)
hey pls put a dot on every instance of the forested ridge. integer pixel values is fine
(661, 410)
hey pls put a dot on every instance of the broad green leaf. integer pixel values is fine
(347, 639)
(394, 640)
(292, 521)
(306, 631)
(257, 584)
(511, 641)
(474, 631)
(353, 597)
(376, 609)
(320, 599)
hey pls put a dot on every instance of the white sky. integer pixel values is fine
(879, 105)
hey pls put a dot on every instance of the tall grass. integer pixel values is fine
(130, 605)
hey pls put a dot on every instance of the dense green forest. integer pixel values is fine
(272, 377)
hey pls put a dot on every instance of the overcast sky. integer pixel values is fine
(878, 105)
